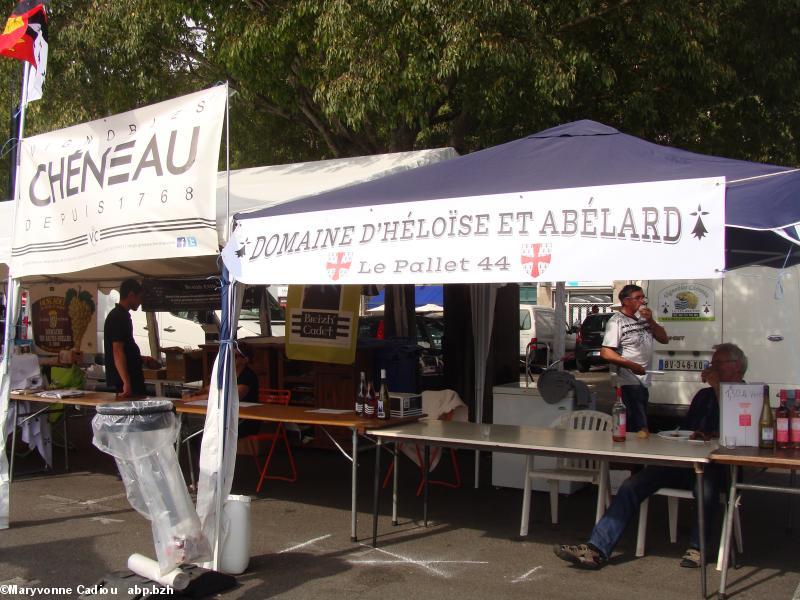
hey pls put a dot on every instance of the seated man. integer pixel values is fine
(247, 386)
(728, 365)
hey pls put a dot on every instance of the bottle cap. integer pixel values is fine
(383, 373)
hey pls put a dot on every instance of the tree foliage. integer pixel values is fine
(330, 78)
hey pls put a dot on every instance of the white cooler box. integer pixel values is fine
(514, 404)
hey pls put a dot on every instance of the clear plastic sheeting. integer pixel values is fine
(141, 436)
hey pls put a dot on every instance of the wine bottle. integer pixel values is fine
(766, 423)
(370, 402)
(782, 423)
(619, 416)
(361, 394)
(794, 419)
(383, 397)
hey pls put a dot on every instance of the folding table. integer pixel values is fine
(546, 441)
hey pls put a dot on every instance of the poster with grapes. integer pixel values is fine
(64, 317)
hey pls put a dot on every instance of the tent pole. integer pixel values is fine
(227, 228)
(153, 335)
(559, 341)
(264, 316)
(483, 297)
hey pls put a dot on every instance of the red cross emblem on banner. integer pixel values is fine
(338, 264)
(536, 258)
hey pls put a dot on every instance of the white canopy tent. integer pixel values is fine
(105, 200)
(250, 189)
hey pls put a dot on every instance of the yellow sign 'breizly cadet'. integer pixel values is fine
(322, 322)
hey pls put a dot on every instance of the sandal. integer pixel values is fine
(582, 555)
(691, 559)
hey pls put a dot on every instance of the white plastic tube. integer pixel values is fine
(148, 568)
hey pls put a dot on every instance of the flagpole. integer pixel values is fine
(23, 104)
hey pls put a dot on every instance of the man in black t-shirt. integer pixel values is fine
(123, 358)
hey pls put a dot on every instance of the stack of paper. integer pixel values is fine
(60, 394)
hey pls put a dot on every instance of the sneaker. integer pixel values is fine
(691, 559)
(582, 555)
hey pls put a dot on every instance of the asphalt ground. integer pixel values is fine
(71, 529)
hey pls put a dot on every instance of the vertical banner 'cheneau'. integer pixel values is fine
(135, 186)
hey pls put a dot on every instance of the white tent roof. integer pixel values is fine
(252, 189)
(262, 187)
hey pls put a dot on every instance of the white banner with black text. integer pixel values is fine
(655, 230)
(135, 186)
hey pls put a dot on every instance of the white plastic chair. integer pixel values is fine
(569, 469)
(672, 495)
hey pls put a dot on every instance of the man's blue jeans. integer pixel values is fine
(635, 398)
(644, 484)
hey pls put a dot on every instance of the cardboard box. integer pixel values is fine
(404, 404)
(184, 365)
(155, 373)
(740, 409)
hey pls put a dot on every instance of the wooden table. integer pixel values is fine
(750, 457)
(87, 399)
(322, 418)
(263, 412)
(566, 443)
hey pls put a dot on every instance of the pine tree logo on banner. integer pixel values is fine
(536, 258)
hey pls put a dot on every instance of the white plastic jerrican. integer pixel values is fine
(235, 546)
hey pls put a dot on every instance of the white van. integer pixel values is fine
(181, 329)
(757, 308)
(537, 327)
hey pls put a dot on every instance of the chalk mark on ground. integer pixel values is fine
(304, 544)
(399, 559)
(526, 576)
(61, 504)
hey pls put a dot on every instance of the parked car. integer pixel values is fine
(430, 332)
(537, 327)
(589, 341)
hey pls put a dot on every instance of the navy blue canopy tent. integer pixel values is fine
(761, 214)
(762, 201)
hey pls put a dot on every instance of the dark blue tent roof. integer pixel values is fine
(423, 294)
(587, 153)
